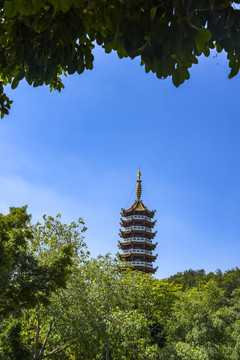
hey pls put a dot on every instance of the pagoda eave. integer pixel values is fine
(133, 256)
(134, 222)
(126, 245)
(145, 269)
(138, 208)
(137, 233)
(146, 212)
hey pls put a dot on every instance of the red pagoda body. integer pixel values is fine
(137, 235)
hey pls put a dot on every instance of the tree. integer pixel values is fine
(228, 281)
(101, 314)
(35, 262)
(41, 40)
(122, 315)
(98, 313)
(189, 278)
(202, 326)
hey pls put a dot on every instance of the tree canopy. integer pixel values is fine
(56, 303)
(35, 260)
(42, 40)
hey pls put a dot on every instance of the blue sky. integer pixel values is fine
(78, 153)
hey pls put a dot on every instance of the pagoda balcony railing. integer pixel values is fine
(140, 263)
(138, 239)
(137, 228)
(137, 251)
(141, 217)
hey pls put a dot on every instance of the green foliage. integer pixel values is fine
(134, 316)
(12, 348)
(201, 325)
(100, 311)
(229, 281)
(42, 40)
(56, 303)
(34, 260)
(189, 278)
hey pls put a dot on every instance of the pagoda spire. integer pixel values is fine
(139, 185)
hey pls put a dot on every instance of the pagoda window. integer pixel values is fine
(138, 227)
(139, 217)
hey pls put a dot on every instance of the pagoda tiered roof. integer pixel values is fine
(137, 232)
(133, 220)
(133, 254)
(138, 208)
(128, 243)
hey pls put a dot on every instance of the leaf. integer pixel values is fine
(80, 67)
(234, 70)
(207, 52)
(205, 34)
(184, 74)
(219, 48)
(10, 9)
(14, 83)
(108, 47)
(20, 75)
(176, 79)
(121, 52)
(28, 7)
(200, 43)
(65, 5)
(72, 67)
(153, 13)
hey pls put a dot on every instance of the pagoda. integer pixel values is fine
(137, 235)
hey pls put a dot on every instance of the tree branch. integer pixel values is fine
(56, 351)
(35, 348)
(45, 341)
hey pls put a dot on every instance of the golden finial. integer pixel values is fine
(139, 173)
(139, 185)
